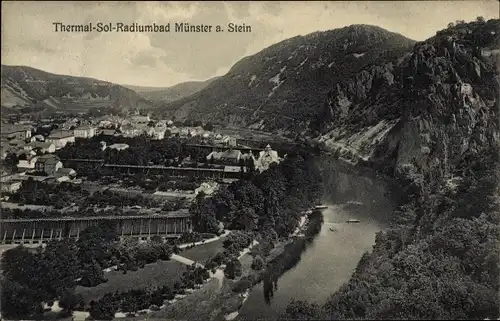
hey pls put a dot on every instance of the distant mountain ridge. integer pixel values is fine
(27, 87)
(169, 94)
(283, 87)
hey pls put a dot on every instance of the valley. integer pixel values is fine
(397, 139)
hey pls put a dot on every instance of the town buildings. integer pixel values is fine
(48, 164)
(27, 164)
(15, 131)
(42, 147)
(10, 186)
(231, 156)
(85, 132)
(266, 158)
(61, 137)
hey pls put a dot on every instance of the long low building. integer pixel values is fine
(37, 231)
(225, 172)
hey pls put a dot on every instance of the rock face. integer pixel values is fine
(428, 112)
(435, 128)
(25, 87)
(283, 86)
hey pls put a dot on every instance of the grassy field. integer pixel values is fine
(203, 252)
(246, 264)
(211, 302)
(155, 274)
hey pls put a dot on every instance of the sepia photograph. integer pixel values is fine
(250, 160)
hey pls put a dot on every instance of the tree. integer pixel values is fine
(301, 310)
(92, 274)
(203, 210)
(104, 309)
(480, 19)
(225, 204)
(208, 127)
(10, 162)
(246, 219)
(19, 301)
(257, 263)
(71, 301)
(233, 269)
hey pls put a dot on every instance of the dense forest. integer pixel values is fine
(269, 202)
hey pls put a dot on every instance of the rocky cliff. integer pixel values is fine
(433, 121)
(429, 111)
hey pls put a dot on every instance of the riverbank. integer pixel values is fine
(220, 298)
(307, 228)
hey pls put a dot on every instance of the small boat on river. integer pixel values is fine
(320, 207)
(353, 220)
(333, 229)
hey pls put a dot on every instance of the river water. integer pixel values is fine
(331, 258)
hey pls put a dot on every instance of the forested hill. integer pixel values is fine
(283, 87)
(32, 90)
(440, 259)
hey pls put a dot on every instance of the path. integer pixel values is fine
(213, 239)
(184, 260)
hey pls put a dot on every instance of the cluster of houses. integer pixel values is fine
(35, 152)
(40, 168)
(17, 138)
(234, 156)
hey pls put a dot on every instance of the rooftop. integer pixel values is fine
(13, 128)
(48, 158)
(40, 144)
(61, 134)
(233, 153)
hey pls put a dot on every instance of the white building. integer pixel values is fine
(12, 131)
(266, 158)
(159, 133)
(85, 132)
(25, 164)
(37, 138)
(134, 130)
(48, 164)
(137, 119)
(116, 146)
(43, 147)
(61, 138)
(11, 186)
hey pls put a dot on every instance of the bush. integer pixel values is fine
(257, 263)
(233, 269)
(246, 283)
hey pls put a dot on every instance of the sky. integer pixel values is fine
(165, 59)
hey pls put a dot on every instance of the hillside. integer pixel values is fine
(283, 86)
(442, 94)
(169, 94)
(36, 90)
(431, 122)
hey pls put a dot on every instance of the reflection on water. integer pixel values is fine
(291, 255)
(331, 258)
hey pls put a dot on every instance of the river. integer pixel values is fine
(331, 258)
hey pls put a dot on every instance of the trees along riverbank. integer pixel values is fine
(439, 260)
